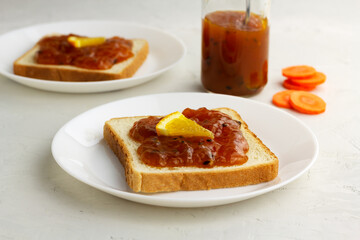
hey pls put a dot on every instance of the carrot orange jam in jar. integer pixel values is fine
(234, 52)
(228, 148)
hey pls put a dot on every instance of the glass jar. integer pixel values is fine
(235, 46)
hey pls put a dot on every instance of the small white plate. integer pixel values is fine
(165, 50)
(79, 148)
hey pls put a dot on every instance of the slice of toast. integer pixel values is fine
(27, 67)
(262, 164)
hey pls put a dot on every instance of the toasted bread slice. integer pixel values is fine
(27, 67)
(262, 164)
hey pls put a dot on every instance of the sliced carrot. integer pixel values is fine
(288, 84)
(301, 71)
(281, 99)
(306, 102)
(316, 79)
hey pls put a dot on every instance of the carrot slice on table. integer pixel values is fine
(288, 84)
(306, 102)
(316, 79)
(301, 71)
(281, 99)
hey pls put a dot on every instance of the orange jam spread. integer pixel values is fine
(229, 147)
(57, 50)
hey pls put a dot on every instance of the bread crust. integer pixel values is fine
(199, 179)
(68, 73)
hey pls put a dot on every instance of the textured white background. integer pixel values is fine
(38, 200)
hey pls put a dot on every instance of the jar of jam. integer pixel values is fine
(235, 46)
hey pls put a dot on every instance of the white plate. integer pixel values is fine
(79, 148)
(165, 51)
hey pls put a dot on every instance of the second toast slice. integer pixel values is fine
(27, 67)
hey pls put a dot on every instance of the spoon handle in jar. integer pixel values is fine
(247, 16)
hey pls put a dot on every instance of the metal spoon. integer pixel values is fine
(247, 16)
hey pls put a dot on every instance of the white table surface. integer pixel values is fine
(38, 200)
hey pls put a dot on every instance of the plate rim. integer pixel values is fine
(45, 83)
(189, 202)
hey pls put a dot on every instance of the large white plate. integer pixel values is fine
(165, 51)
(79, 148)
